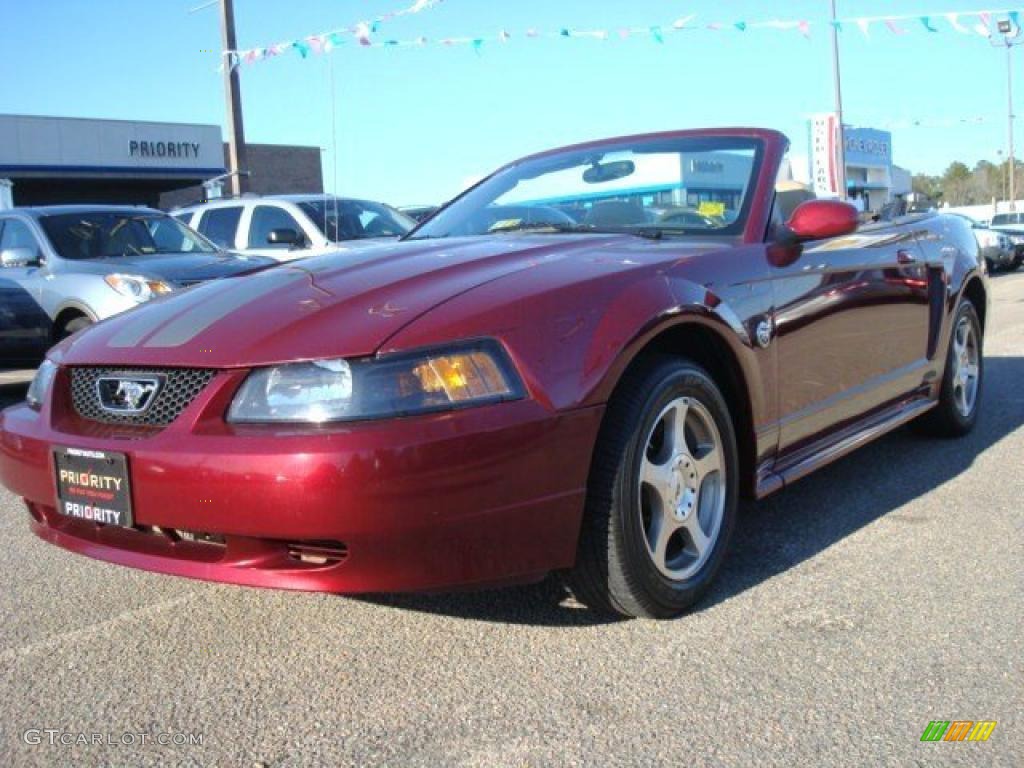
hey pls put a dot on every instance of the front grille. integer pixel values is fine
(180, 387)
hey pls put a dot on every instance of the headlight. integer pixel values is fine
(392, 385)
(40, 386)
(136, 287)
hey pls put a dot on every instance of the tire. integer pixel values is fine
(74, 325)
(952, 417)
(621, 567)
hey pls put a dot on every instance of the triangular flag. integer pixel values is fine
(864, 24)
(741, 26)
(656, 34)
(681, 23)
(478, 43)
(954, 22)
(805, 28)
(927, 24)
(301, 47)
(985, 27)
(895, 28)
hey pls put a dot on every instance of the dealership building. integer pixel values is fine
(871, 174)
(51, 160)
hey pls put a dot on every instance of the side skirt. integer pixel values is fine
(791, 468)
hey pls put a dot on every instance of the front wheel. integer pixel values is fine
(662, 494)
(72, 326)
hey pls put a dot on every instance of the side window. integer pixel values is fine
(267, 218)
(16, 234)
(221, 224)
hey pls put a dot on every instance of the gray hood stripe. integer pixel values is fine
(190, 324)
(152, 316)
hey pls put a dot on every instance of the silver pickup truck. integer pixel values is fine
(65, 267)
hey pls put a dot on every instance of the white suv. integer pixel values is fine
(287, 227)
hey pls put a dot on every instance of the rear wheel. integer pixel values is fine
(661, 500)
(959, 400)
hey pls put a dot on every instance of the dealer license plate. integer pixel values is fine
(94, 486)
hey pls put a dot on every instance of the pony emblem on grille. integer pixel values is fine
(127, 395)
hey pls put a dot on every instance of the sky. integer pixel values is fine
(414, 125)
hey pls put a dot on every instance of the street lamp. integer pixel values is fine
(1010, 35)
(841, 153)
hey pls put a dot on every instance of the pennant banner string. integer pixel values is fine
(364, 33)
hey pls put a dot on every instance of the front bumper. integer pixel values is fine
(486, 495)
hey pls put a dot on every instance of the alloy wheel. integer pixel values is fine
(682, 488)
(966, 369)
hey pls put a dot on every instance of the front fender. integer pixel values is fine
(647, 310)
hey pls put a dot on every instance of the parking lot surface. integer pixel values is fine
(875, 596)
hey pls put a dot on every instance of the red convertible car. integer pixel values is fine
(501, 395)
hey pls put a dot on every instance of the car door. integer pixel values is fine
(851, 328)
(266, 218)
(24, 327)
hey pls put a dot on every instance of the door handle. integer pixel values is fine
(904, 256)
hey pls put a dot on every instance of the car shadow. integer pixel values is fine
(789, 527)
(799, 522)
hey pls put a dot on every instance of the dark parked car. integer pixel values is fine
(484, 408)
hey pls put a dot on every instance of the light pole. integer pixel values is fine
(841, 143)
(1010, 36)
(1002, 172)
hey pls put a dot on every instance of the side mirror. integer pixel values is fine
(822, 219)
(286, 236)
(18, 257)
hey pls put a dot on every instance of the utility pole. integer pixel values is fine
(237, 165)
(841, 142)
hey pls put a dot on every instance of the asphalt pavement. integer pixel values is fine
(869, 599)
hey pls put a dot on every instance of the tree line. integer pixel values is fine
(960, 185)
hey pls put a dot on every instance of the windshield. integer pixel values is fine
(655, 186)
(343, 219)
(105, 234)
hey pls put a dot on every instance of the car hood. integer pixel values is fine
(337, 305)
(181, 268)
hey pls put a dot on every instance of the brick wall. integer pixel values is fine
(275, 170)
